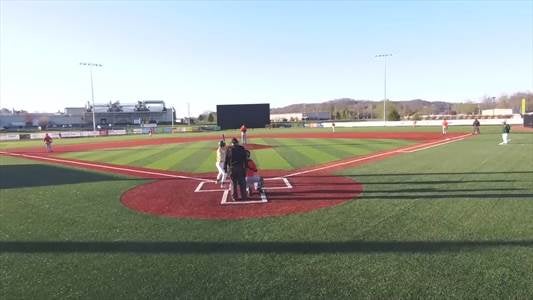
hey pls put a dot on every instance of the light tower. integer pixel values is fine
(91, 65)
(384, 85)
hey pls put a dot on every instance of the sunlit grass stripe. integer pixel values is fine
(130, 156)
(118, 153)
(167, 158)
(318, 154)
(75, 155)
(188, 159)
(208, 163)
(373, 145)
(395, 142)
(181, 156)
(363, 147)
(288, 149)
(99, 155)
(378, 145)
(347, 147)
(269, 158)
(198, 155)
(162, 151)
(86, 155)
(139, 156)
(392, 141)
(329, 146)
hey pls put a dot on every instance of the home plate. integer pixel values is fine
(256, 198)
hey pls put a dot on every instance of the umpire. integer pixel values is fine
(235, 167)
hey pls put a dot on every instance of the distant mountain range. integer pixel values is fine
(405, 107)
(351, 108)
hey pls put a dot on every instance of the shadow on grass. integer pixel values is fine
(33, 175)
(436, 190)
(437, 173)
(449, 195)
(179, 247)
(415, 182)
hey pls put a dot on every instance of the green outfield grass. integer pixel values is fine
(200, 157)
(448, 222)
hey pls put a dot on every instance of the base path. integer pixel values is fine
(186, 195)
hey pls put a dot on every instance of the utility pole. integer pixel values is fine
(91, 65)
(384, 85)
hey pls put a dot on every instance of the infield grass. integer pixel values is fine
(200, 157)
(448, 222)
(7, 145)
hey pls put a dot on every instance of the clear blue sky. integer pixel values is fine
(281, 52)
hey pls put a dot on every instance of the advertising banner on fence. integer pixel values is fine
(116, 132)
(70, 134)
(40, 135)
(9, 137)
(64, 134)
(89, 133)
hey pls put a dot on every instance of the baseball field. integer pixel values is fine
(359, 213)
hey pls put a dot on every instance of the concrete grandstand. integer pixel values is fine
(112, 113)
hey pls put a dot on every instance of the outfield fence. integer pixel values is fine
(514, 120)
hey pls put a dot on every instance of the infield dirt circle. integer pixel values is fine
(177, 198)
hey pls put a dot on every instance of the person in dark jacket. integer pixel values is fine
(476, 125)
(235, 167)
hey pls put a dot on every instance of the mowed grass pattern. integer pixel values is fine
(284, 154)
(448, 222)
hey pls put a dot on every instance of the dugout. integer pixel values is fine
(232, 116)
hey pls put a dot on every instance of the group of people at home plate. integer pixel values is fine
(235, 161)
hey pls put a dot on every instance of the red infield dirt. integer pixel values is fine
(177, 198)
(185, 195)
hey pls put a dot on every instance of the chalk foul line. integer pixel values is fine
(409, 149)
(100, 166)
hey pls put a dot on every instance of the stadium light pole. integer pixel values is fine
(173, 112)
(91, 65)
(384, 85)
(189, 113)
